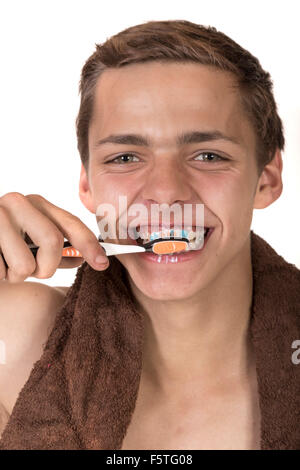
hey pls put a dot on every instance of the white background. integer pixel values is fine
(44, 45)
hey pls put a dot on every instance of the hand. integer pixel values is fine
(33, 219)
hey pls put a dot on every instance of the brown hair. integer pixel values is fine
(184, 41)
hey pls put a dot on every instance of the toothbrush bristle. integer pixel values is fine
(168, 247)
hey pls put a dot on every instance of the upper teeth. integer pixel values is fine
(195, 237)
(168, 233)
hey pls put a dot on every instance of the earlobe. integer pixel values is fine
(269, 186)
(85, 193)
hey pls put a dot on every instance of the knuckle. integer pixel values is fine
(43, 274)
(12, 278)
(34, 197)
(55, 239)
(23, 269)
(12, 198)
(3, 213)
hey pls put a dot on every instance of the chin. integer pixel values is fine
(166, 288)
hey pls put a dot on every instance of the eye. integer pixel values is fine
(211, 155)
(123, 155)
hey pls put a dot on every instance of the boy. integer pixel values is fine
(193, 117)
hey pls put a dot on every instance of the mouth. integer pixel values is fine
(193, 236)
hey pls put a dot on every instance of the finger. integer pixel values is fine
(70, 262)
(41, 231)
(2, 269)
(18, 256)
(74, 230)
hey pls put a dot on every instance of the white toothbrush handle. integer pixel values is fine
(116, 249)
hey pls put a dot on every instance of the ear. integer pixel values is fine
(85, 192)
(269, 186)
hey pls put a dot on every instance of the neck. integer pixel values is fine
(206, 336)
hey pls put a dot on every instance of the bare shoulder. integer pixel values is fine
(27, 314)
(25, 303)
(62, 289)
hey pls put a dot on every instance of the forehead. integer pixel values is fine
(160, 95)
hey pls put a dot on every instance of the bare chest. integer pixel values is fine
(225, 420)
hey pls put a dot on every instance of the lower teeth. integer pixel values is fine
(167, 258)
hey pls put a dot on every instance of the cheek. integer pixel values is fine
(118, 190)
(230, 199)
(109, 186)
(111, 198)
(224, 188)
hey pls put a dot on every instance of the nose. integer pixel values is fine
(167, 182)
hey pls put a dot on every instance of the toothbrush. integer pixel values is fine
(160, 246)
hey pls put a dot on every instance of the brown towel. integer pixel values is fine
(82, 392)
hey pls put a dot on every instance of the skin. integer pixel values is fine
(196, 337)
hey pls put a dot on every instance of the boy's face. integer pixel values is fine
(159, 101)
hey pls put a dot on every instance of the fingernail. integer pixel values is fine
(101, 259)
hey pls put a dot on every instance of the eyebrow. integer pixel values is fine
(185, 138)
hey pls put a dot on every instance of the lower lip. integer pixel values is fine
(175, 258)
